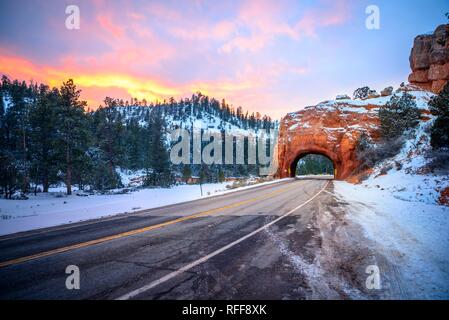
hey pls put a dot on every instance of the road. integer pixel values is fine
(261, 243)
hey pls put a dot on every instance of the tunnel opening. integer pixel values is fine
(313, 166)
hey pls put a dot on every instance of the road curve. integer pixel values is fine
(240, 245)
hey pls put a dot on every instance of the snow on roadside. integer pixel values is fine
(409, 187)
(52, 209)
(46, 210)
(413, 235)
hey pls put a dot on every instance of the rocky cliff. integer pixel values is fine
(429, 60)
(332, 128)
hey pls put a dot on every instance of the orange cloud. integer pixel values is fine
(248, 86)
(136, 87)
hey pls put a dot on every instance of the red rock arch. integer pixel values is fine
(330, 129)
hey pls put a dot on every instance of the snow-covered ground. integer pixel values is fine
(414, 236)
(55, 208)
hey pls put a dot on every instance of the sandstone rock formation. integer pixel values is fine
(332, 128)
(373, 94)
(429, 60)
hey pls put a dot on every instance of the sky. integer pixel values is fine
(270, 56)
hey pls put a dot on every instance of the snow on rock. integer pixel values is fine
(343, 97)
(332, 128)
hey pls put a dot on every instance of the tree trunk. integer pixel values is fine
(68, 181)
(25, 173)
(45, 184)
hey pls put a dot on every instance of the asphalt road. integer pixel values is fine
(250, 244)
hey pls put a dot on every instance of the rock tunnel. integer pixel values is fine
(328, 129)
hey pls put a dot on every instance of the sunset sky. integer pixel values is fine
(268, 56)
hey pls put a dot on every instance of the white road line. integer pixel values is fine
(193, 264)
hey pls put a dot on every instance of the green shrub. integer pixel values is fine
(398, 115)
(439, 107)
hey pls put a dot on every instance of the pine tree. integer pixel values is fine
(439, 107)
(108, 130)
(43, 136)
(221, 176)
(158, 159)
(134, 145)
(9, 171)
(398, 115)
(73, 134)
(186, 173)
(20, 129)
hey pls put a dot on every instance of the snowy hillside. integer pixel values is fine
(405, 176)
(187, 114)
(398, 207)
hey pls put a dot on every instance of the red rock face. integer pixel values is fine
(331, 129)
(429, 60)
(444, 197)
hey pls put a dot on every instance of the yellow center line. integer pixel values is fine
(137, 231)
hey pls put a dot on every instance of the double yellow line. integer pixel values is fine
(137, 231)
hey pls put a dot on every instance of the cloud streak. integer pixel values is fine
(243, 51)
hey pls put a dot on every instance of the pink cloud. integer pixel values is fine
(265, 21)
(110, 26)
(161, 11)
